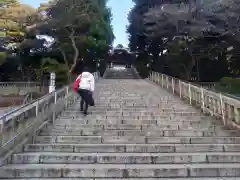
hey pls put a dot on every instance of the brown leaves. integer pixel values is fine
(14, 17)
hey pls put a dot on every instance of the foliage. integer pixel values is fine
(3, 57)
(195, 34)
(229, 85)
(13, 20)
(142, 68)
(6, 3)
(80, 30)
(52, 65)
(82, 26)
(119, 46)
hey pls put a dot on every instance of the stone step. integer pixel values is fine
(166, 139)
(134, 104)
(152, 102)
(92, 115)
(129, 120)
(137, 148)
(137, 111)
(141, 98)
(141, 103)
(120, 170)
(131, 124)
(131, 109)
(166, 107)
(144, 103)
(186, 178)
(117, 106)
(104, 116)
(157, 133)
(124, 158)
(124, 121)
(80, 116)
(105, 99)
(186, 126)
(136, 140)
(129, 112)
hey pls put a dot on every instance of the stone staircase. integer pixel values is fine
(135, 131)
(128, 73)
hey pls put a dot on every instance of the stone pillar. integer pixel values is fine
(52, 82)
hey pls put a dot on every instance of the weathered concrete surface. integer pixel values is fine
(136, 130)
(128, 73)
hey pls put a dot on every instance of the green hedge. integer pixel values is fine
(3, 57)
(142, 70)
(229, 85)
(2, 34)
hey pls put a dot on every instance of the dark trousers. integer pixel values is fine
(86, 99)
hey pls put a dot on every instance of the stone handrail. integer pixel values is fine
(27, 99)
(213, 103)
(96, 75)
(21, 125)
(17, 87)
(20, 84)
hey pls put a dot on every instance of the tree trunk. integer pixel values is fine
(22, 71)
(76, 52)
(64, 56)
(188, 70)
(41, 81)
(66, 62)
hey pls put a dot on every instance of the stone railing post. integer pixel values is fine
(202, 100)
(37, 108)
(54, 112)
(67, 90)
(162, 80)
(3, 130)
(67, 93)
(212, 103)
(155, 77)
(236, 115)
(173, 86)
(189, 93)
(30, 119)
(167, 81)
(150, 74)
(222, 108)
(180, 88)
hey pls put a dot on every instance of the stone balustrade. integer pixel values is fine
(20, 87)
(96, 75)
(20, 84)
(207, 85)
(216, 104)
(21, 125)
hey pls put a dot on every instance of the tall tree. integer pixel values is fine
(82, 25)
(13, 20)
(189, 30)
